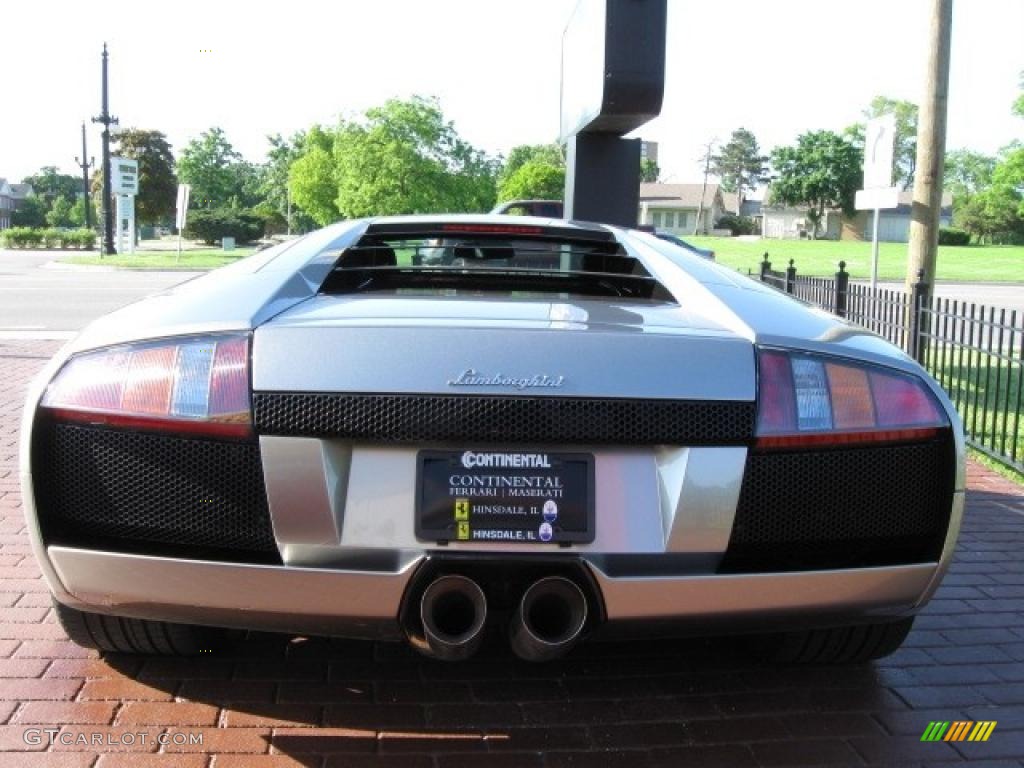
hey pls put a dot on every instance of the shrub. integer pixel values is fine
(52, 237)
(80, 238)
(210, 226)
(953, 236)
(22, 237)
(738, 225)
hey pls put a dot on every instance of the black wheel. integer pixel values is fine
(837, 645)
(125, 635)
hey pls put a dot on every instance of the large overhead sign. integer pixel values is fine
(613, 66)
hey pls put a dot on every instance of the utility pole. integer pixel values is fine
(706, 157)
(931, 149)
(85, 165)
(106, 119)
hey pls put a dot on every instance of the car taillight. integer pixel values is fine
(809, 400)
(194, 385)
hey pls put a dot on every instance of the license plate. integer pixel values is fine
(505, 496)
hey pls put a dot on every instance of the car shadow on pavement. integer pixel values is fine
(309, 698)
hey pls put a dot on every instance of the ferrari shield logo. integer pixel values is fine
(462, 510)
(462, 531)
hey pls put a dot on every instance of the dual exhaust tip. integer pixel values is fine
(547, 622)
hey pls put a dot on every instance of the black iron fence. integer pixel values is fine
(975, 352)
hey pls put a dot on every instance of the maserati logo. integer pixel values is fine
(472, 378)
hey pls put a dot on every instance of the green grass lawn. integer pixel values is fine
(209, 258)
(972, 263)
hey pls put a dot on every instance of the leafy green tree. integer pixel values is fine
(649, 170)
(59, 214)
(823, 170)
(207, 164)
(78, 212)
(403, 157)
(276, 205)
(740, 164)
(31, 212)
(532, 172)
(400, 157)
(520, 155)
(536, 179)
(311, 176)
(158, 185)
(905, 150)
(967, 173)
(48, 184)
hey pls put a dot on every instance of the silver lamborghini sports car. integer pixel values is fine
(433, 428)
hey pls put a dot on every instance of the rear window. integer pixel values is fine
(475, 263)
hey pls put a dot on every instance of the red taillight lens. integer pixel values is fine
(808, 400)
(197, 385)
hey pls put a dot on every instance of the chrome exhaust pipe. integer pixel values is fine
(549, 619)
(453, 610)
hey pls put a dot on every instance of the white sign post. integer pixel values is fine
(124, 184)
(878, 193)
(181, 213)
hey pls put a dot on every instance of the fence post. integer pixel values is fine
(917, 338)
(842, 287)
(790, 277)
(765, 266)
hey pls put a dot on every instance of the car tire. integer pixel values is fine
(837, 645)
(119, 634)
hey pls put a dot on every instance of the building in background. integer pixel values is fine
(11, 197)
(674, 207)
(649, 151)
(894, 224)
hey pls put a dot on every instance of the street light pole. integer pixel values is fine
(106, 120)
(85, 165)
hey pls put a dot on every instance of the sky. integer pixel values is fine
(776, 67)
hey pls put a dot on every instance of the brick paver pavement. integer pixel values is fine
(278, 701)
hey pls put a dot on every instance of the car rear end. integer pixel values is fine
(532, 428)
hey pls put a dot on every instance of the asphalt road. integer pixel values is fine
(1010, 296)
(38, 300)
(41, 302)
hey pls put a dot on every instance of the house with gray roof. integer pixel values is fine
(675, 207)
(11, 196)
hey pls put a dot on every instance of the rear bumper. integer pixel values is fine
(366, 604)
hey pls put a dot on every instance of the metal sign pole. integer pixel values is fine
(874, 254)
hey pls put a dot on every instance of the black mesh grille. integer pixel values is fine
(413, 418)
(143, 492)
(843, 508)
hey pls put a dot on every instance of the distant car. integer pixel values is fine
(436, 427)
(668, 237)
(550, 209)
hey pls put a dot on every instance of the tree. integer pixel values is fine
(649, 170)
(31, 212)
(520, 155)
(311, 176)
(536, 179)
(48, 185)
(276, 205)
(59, 214)
(206, 163)
(822, 171)
(905, 149)
(739, 164)
(1018, 105)
(403, 157)
(158, 185)
(967, 173)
